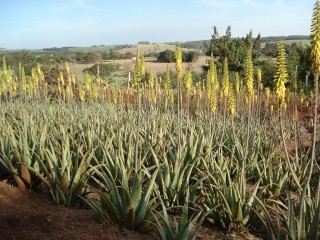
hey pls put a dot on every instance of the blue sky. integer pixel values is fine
(36, 24)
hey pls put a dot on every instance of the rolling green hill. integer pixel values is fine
(300, 39)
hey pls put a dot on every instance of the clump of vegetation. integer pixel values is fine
(168, 56)
(105, 70)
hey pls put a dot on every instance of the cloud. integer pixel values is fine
(218, 3)
(84, 4)
(239, 3)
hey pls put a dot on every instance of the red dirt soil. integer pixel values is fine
(31, 215)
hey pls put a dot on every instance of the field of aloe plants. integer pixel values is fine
(152, 158)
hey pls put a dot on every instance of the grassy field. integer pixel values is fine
(151, 63)
(156, 47)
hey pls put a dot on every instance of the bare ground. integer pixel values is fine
(31, 215)
(151, 63)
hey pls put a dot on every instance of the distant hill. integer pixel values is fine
(285, 38)
(303, 39)
(94, 48)
(148, 47)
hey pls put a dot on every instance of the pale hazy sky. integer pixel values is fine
(57, 23)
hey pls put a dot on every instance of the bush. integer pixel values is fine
(105, 70)
(190, 56)
(168, 56)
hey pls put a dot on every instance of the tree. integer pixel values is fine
(268, 69)
(233, 49)
(93, 57)
(105, 70)
(293, 62)
(256, 48)
(80, 56)
(166, 56)
(128, 55)
(24, 57)
(105, 56)
(114, 54)
(270, 49)
(190, 56)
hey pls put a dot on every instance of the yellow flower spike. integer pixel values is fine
(178, 55)
(81, 93)
(237, 84)
(172, 97)
(259, 76)
(137, 74)
(150, 80)
(315, 39)
(301, 96)
(87, 81)
(154, 97)
(208, 85)
(67, 66)
(213, 102)
(284, 105)
(231, 101)
(281, 76)
(59, 87)
(188, 81)
(73, 79)
(68, 90)
(39, 69)
(271, 108)
(267, 90)
(115, 95)
(142, 66)
(225, 80)
(249, 74)
(61, 77)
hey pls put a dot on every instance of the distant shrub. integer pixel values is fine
(105, 70)
(168, 56)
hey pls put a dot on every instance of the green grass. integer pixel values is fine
(117, 81)
(102, 48)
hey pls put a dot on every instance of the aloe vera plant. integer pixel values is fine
(125, 201)
(64, 175)
(19, 150)
(231, 203)
(187, 227)
(307, 227)
(173, 176)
